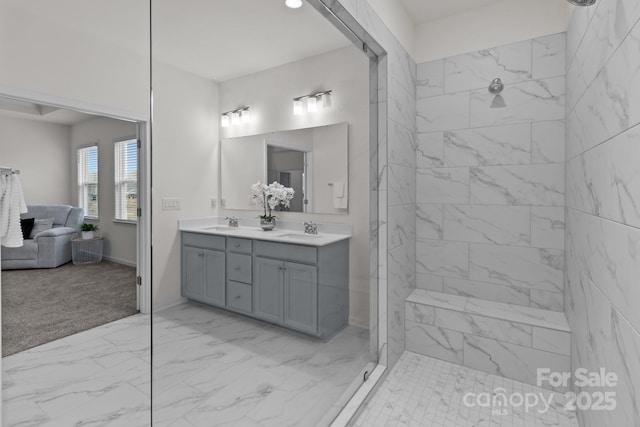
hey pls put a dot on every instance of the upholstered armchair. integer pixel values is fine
(49, 248)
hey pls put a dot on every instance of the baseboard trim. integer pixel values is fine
(169, 305)
(120, 261)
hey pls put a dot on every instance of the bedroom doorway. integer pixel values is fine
(71, 157)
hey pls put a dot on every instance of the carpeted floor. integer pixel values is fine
(39, 306)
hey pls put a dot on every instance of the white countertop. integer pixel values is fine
(282, 235)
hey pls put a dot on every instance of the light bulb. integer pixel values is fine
(235, 118)
(312, 104)
(326, 100)
(293, 4)
(246, 116)
(224, 121)
(297, 107)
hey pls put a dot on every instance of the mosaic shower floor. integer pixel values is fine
(422, 391)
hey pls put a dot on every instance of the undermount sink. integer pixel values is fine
(300, 236)
(222, 228)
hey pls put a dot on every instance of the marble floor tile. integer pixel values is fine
(422, 391)
(96, 377)
(213, 365)
(208, 365)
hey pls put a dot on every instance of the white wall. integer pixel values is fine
(61, 57)
(496, 24)
(331, 164)
(41, 152)
(185, 150)
(120, 238)
(270, 95)
(398, 21)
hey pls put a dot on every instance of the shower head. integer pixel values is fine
(496, 86)
(582, 2)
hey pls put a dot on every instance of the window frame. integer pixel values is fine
(120, 184)
(82, 182)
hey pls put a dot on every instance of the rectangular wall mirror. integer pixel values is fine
(313, 161)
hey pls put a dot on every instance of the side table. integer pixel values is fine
(86, 251)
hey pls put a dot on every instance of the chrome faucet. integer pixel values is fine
(233, 221)
(310, 227)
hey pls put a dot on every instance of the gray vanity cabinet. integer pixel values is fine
(192, 272)
(286, 293)
(214, 285)
(203, 269)
(296, 286)
(267, 289)
(301, 297)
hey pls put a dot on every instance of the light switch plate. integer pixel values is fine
(171, 204)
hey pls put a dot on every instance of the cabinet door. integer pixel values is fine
(267, 292)
(301, 297)
(192, 276)
(215, 277)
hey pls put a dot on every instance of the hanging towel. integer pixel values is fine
(340, 197)
(12, 204)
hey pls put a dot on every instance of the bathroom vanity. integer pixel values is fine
(287, 278)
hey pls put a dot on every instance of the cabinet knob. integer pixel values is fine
(237, 268)
(237, 245)
(237, 296)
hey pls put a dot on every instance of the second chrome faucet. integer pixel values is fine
(233, 221)
(310, 227)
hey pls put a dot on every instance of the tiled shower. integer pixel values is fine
(527, 207)
(490, 210)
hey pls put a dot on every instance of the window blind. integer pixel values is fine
(88, 180)
(126, 179)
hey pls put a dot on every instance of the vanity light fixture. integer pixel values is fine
(235, 117)
(245, 115)
(314, 102)
(293, 4)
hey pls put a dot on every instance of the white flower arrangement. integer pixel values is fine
(271, 196)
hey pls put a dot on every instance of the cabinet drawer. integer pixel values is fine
(242, 246)
(286, 251)
(239, 296)
(239, 267)
(206, 241)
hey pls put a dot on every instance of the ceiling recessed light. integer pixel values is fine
(293, 4)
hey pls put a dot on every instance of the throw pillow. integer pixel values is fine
(27, 225)
(41, 225)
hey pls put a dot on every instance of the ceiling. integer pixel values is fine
(421, 11)
(221, 40)
(42, 113)
(217, 39)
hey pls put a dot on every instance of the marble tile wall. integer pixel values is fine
(602, 285)
(490, 174)
(397, 176)
(503, 339)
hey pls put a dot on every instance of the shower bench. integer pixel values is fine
(494, 337)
